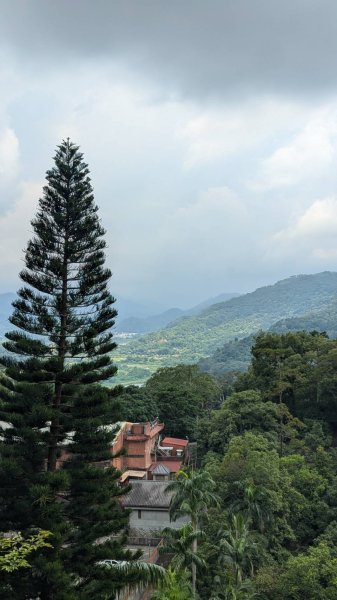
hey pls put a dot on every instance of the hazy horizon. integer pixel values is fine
(146, 306)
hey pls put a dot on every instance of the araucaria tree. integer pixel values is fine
(57, 354)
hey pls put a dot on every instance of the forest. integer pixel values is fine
(267, 524)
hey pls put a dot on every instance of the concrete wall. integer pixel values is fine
(139, 454)
(150, 519)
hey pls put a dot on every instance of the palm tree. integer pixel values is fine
(243, 591)
(138, 574)
(237, 549)
(180, 543)
(253, 503)
(175, 586)
(192, 496)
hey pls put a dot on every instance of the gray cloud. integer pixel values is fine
(199, 193)
(196, 48)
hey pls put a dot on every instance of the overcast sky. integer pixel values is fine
(209, 126)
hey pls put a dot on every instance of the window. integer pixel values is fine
(139, 514)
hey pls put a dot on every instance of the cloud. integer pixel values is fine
(200, 242)
(197, 49)
(194, 243)
(308, 155)
(9, 155)
(214, 211)
(309, 242)
(184, 111)
(9, 165)
(215, 133)
(317, 223)
(15, 230)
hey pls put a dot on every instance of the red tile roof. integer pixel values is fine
(156, 429)
(170, 441)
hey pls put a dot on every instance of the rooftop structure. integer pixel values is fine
(175, 442)
(160, 469)
(148, 494)
(132, 474)
(171, 466)
(149, 502)
(139, 441)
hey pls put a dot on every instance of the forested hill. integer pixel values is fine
(191, 338)
(235, 355)
(324, 319)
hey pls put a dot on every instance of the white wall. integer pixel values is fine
(154, 519)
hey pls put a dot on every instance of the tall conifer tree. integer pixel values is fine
(98, 519)
(57, 353)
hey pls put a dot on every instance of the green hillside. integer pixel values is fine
(232, 356)
(235, 355)
(324, 319)
(189, 339)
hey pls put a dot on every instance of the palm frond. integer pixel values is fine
(144, 574)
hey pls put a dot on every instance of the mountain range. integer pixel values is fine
(235, 355)
(298, 302)
(218, 333)
(133, 317)
(126, 309)
(155, 322)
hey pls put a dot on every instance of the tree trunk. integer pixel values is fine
(55, 423)
(195, 550)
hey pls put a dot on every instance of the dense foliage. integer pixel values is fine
(183, 387)
(137, 405)
(189, 391)
(270, 448)
(267, 528)
(15, 549)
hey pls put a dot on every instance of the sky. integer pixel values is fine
(209, 127)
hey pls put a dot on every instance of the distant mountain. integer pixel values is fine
(132, 316)
(324, 319)
(128, 308)
(210, 301)
(222, 331)
(235, 355)
(192, 338)
(147, 324)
